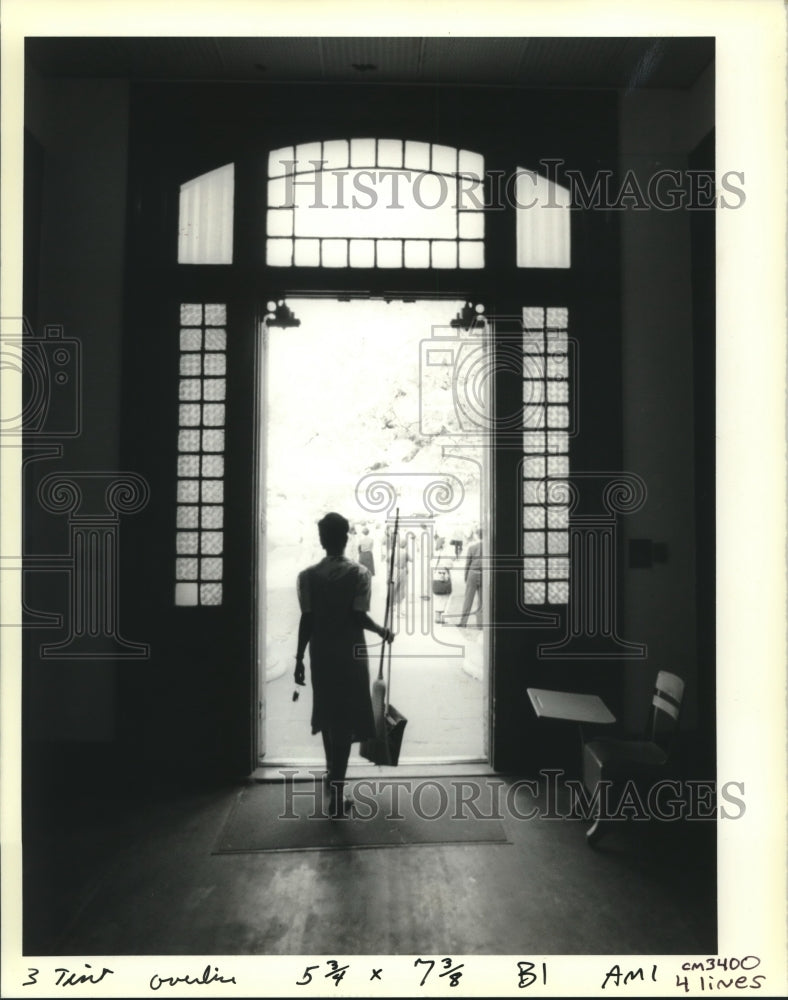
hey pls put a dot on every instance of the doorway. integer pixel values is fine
(365, 410)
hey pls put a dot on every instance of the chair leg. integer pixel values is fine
(596, 831)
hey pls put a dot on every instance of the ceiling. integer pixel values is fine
(591, 63)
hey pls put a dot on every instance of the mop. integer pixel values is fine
(389, 723)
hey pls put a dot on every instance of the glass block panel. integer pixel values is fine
(417, 253)
(534, 593)
(307, 253)
(191, 364)
(215, 364)
(191, 340)
(186, 542)
(212, 491)
(533, 543)
(215, 340)
(213, 414)
(188, 466)
(557, 416)
(188, 440)
(210, 593)
(558, 317)
(533, 344)
(188, 491)
(533, 416)
(187, 517)
(336, 154)
(557, 542)
(558, 568)
(211, 542)
(556, 340)
(186, 569)
(444, 253)
(534, 569)
(417, 155)
(472, 254)
(532, 494)
(534, 468)
(191, 313)
(213, 441)
(558, 593)
(389, 253)
(189, 415)
(212, 517)
(533, 318)
(279, 253)
(334, 253)
(280, 161)
(213, 466)
(558, 392)
(558, 465)
(211, 568)
(557, 366)
(186, 594)
(189, 388)
(533, 391)
(534, 442)
(471, 225)
(362, 253)
(279, 222)
(558, 442)
(533, 366)
(558, 517)
(390, 152)
(533, 517)
(213, 388)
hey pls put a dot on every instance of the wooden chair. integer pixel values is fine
(616, 761)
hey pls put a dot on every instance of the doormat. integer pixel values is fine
(293, 816)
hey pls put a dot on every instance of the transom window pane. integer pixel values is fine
(205, 218)
(375, 203)
(543, 221)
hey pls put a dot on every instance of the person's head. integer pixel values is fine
(333, 531)
(365, 531)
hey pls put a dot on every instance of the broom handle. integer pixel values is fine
(388, 597)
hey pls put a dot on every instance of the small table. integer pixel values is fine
(569, 705)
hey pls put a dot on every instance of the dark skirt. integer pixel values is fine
(367, 559)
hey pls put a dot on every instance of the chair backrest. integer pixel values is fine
(665, 707)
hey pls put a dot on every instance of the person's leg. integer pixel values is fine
(340, 754)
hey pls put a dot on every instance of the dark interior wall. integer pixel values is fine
(81, 130)
(659, 129)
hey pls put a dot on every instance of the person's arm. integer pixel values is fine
(468, 561)
(304, 635)
(362, 619)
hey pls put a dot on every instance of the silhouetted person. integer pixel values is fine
(334, 599)
(473, 581)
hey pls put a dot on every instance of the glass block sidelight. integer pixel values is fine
(375, 203)
(546, 425)
(199, 516)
